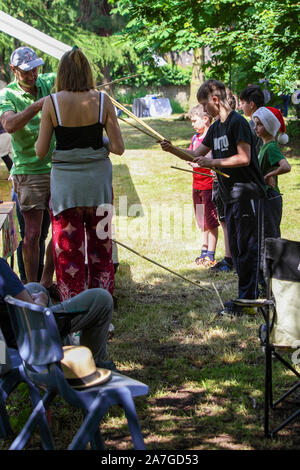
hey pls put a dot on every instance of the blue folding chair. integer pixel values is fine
(40, 348)
(8, 383)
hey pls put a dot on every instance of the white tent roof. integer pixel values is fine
(32, 36)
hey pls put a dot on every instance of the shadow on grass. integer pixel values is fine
(125, 194)
(205, 374)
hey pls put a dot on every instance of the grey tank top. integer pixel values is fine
(80, 177)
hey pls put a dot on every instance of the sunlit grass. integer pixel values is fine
(205, 374)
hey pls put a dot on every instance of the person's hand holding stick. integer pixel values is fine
(166, 145)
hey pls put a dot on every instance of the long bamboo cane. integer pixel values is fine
(214, 169)
(138, 128)
(170, 271)
(118, 80)
(190, 171)
(154, 133)
(142, 123)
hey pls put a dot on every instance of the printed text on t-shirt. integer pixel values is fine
(221, 143)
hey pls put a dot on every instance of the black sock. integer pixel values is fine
(228, 260)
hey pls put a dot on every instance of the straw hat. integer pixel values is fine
(79, 368)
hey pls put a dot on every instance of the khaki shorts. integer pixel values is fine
(33, 191)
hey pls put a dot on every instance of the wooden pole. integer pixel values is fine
(173, 272)
(143, 124)
(138, 128)
(118, 80)
(190, 171)
(159, 136)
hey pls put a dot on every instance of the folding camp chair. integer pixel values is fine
(12, 374)
(281, 311)
(39, 345)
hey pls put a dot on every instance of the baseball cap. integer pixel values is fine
(25, 58)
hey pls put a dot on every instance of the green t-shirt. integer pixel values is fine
(268, 158)
(14, 98)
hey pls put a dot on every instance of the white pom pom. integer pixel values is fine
(283, 139)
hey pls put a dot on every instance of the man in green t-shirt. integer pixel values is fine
(20, 105)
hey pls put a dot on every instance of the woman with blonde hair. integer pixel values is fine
(81, 175)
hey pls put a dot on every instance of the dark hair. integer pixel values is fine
(253, 93)
(74, 72)
(212, 87)
(231, 98)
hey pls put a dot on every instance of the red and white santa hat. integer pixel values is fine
(272, 120)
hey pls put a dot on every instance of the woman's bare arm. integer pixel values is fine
(116, 144)
(42, 144)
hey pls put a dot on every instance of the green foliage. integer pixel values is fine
(259, 38)
(176, 107)
(161, 76)
(293, 128)
(57, 20)
(88, 25)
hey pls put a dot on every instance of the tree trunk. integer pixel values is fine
(197, 75)
(107, 79)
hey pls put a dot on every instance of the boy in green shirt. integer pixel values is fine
(268, 121)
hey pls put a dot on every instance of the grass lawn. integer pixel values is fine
(205, 374)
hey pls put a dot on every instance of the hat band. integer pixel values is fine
(84, 380)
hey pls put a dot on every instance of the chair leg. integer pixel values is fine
(7, 386)
(88, 430)
(37, 417)
(46, 436)
(285, 423)
(5, 428)
(132, 419)
(268, 388)
(97, 442)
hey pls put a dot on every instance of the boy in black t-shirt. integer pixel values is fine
(252, 98)
(231, 141)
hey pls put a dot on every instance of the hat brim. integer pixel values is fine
(103, 375)
(31, 65)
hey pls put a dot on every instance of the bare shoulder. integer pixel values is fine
(47, 103)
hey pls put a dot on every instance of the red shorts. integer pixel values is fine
(205, 210)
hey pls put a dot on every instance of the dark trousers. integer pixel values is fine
(272, 214)
(43, 237)
(244, 227)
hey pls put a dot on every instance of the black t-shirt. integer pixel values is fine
(222, 138)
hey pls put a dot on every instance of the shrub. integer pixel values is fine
(293, 128)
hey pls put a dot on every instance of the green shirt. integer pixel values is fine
(14, 98)
(268, 158)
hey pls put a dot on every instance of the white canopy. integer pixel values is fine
(32, 36)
